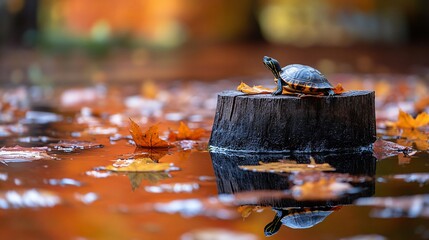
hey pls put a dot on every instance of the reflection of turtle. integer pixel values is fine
(297, 218)
(298, 78)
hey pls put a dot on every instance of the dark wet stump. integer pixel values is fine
(266, 123)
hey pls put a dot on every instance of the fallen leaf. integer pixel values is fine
(149, 139)
(243, 87)
(23, 154)
(414, 138)
(139, 165)
(384, 149)
(185, 133)
(287, 166)
(338, 89)
(405, 120)
(74, 145)
(324, 189)
(253, 90)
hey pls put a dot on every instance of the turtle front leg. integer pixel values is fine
(279, 87)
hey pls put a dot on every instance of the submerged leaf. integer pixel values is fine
(185, 133)
(287, 166)
(149, 139)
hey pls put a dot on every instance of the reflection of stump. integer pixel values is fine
(265, 123)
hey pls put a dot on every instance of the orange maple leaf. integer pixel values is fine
(184, 132)
(149, 139)
(405, 120)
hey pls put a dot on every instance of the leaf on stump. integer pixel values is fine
(253, 90)
(148, 139)
(287, 166)
(185, 133)
(338, 89)
(139, 165)
(246, 210)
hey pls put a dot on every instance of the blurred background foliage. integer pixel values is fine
(97, 26)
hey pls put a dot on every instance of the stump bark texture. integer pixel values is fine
(266, 123)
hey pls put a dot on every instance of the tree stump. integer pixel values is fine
(287, 123)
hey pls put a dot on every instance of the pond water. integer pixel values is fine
(64, 190)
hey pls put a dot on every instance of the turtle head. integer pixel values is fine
(273, 65)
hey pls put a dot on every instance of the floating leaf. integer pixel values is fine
(324, 189)
(384, 149)
(23, 154)
(140, 165)
(149, 139)
(405, 120)
(74, 145)
(287, 166)
(185, 133)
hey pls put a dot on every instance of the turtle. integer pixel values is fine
(298, 218)
(297, 78)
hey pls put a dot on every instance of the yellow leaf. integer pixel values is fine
(149, 139)
(139, 165)
(405, 120)
(185, 132)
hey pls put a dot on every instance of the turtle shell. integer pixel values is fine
(306, 219)
(304, 78)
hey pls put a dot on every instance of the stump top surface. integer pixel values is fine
(234, 93)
